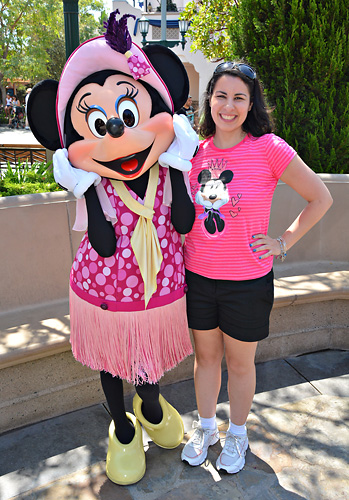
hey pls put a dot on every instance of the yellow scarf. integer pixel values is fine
(144, 241)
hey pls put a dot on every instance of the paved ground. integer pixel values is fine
(298, 432)
(16, 136)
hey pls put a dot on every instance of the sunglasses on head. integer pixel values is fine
(245, 69)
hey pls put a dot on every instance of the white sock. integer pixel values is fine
(238, 430)
(208, 423)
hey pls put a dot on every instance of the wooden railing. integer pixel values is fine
(18, 154)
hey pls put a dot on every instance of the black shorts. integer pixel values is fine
(241, 309)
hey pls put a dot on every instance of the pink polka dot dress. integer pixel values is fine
(111, 329)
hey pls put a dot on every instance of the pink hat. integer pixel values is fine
(114, 51)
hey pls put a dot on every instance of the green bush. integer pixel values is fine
(300, 50)
(3, 117)
(27, 179)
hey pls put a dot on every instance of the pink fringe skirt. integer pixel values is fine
(138, 346)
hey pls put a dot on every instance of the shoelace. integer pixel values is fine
(199, 434)
(233, 444)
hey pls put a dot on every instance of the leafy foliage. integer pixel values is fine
(55, 58)
(3, 117)
(29, 31)
(170, 7)
(27, 179)
(301, 52)
(209, 24)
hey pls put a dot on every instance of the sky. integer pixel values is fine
(108, 5)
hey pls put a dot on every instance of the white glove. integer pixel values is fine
(183, 147)
(73, 179)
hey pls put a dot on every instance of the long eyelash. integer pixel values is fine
(131, 94)
(84, 109)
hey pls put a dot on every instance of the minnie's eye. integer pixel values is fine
(97, 122)
(128, 112)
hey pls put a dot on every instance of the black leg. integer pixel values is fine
(219, 222)
(209, 224)
(114, 393)
(151, 408)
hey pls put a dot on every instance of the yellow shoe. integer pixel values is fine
(169, 432)
(125, 462)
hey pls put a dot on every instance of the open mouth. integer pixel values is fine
(128, 166)
(227, 117)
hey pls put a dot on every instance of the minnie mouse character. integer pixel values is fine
(112, 112)
(212, 195)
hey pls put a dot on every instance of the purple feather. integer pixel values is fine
(117, 35)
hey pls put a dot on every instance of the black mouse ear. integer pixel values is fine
(41, 111)
(226, 176)
(171, 70)
(204, 176)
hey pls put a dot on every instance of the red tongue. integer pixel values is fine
(130, 165)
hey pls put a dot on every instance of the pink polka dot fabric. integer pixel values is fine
(138, 66)
(115, 283)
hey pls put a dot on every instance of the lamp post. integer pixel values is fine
(144, 29)
(163, 20)
(183, 28)
(71, 25)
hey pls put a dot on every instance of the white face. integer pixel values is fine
(214, 190)
(230, 102)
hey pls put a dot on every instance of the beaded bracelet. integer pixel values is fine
(283, 248)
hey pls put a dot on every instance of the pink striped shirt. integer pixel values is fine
(232, 190)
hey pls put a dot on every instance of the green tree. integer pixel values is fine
(300, 49)
(56, 58)
(29, 29)
(88, 28)
(208, 29)
(170, 7)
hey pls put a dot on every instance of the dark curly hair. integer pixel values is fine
(258, 121)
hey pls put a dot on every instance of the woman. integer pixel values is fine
(16, 109)
(228, 253)
(8, 107)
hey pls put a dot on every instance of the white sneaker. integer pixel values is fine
(232, 457)
(195, 451)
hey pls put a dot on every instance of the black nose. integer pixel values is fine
(115, 127)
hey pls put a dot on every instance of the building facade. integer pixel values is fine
(199, 68)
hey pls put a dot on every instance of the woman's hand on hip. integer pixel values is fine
(265, 246)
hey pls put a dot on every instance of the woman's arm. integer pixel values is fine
(307, 184)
